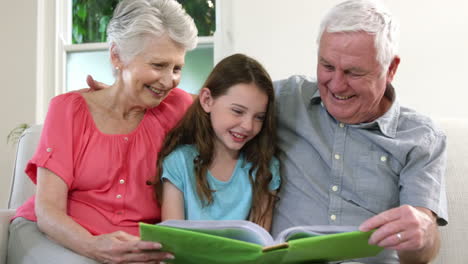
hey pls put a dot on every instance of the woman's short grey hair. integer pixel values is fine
(370, 16)
(134, 21)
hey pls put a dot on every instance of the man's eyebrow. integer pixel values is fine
(355, 69)
(323, 60)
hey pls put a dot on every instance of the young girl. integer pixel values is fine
(218, 162)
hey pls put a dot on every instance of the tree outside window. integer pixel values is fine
(90, 18)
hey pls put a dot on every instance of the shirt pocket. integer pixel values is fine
(375, 181)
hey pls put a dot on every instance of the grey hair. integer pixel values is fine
(370, 16)
(134, 21)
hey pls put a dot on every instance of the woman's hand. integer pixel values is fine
(52, 219)
(121, 247)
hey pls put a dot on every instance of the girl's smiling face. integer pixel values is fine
(237, 116)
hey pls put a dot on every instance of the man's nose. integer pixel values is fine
(337, 82)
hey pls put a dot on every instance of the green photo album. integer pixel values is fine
(243, 242)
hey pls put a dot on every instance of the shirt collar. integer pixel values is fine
(387, 123)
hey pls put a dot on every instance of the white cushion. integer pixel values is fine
(22, 187)
(455, 234)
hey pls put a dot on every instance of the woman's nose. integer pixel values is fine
(169, 79)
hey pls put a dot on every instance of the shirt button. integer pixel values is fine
(119, 212)
(335, 188)
(122, 181)
(383, 159)
(126, 138)
(341, 125)
(333, 217)
(337, 156)
(49, 149)
(118, 196)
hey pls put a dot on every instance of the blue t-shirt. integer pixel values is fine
(232, 199)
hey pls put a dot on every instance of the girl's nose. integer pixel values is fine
(247, 124)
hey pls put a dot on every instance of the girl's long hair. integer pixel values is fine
(195, 129)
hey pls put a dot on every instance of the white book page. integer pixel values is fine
(234, 229)
(297, 232)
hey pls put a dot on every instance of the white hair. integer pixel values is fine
(370, 16)
(134, 21)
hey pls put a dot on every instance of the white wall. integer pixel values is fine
(17, 78)
(434, 45)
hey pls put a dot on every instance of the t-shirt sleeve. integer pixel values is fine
(173, 169)
(275, 173)
(424, 174)
(55, 148)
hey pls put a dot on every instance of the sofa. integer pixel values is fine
(454, 236)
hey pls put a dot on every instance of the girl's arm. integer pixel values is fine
(52, 219)
(172, 202)
(267, 220)
(269, 214)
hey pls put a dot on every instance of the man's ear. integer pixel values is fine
(206, 100)
(392, 69)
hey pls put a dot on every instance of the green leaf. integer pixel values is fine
(103, 23)
(82, 12)
(77, 35)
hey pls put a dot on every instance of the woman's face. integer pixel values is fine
(150, 76)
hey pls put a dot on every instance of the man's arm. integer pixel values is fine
(412, 231)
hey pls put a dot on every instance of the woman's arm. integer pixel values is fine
(52, 219)
(172, 202)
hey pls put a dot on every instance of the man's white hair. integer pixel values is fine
(369, 16)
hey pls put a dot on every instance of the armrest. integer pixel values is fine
(5, 216)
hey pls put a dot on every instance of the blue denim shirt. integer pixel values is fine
(340, 174)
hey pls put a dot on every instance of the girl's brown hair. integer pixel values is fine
(195, 129)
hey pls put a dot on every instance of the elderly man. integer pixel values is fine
(351, 155)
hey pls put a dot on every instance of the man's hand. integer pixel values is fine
(95, 85)
(412, 231)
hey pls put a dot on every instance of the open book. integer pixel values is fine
(243, 242)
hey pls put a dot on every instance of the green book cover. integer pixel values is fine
(243, 242)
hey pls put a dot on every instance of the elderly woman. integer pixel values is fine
(98, 149)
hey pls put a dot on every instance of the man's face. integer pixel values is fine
(351, 81)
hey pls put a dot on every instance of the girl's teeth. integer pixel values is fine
(237, 135)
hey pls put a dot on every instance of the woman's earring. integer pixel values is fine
(117, 68)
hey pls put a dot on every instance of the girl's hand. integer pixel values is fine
(121, 247)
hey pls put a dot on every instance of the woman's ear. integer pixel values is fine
(115, 57)
(206, 101)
